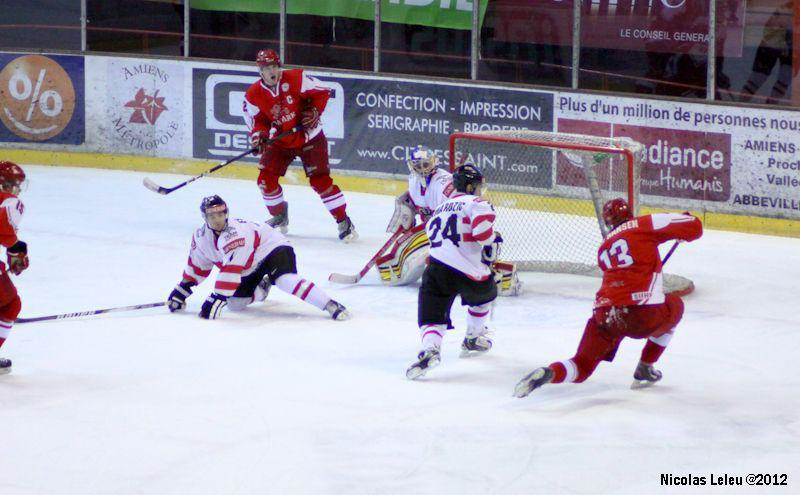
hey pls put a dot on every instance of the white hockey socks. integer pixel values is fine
(476, 319)
(5, 329)
(432, 336)
(297, 286)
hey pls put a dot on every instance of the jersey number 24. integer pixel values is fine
(619, 251)
(450, 231)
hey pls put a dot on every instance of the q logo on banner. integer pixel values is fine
(673, 4)
(37, 98)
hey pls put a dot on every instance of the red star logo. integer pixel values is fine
(146, 108)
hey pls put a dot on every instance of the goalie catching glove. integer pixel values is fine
(491, 251)
(18, 257)
(177, 298)
(403, 217)
(212, 306)
(309, 117)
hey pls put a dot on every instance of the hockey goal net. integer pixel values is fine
(549, 189)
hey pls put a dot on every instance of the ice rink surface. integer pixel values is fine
(279, 399)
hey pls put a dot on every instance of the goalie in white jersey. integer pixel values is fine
(428, 187)
(250, 257)
(463, 246)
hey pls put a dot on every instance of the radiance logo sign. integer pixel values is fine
(144, 106)
(41, 99)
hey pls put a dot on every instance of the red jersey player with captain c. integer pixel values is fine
(631, 301)
(276, 103)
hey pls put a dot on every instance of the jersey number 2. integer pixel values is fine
(619, 250)
(450, 230)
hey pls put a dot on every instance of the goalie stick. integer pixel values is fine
(166, 190)
(90, 313)
(341, 278)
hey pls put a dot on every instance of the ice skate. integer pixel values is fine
(427, 359)
(347, 231)
(645, 376)
(473, 346)
(281, 220)
(5, 366)
(532, 381)
(337, 311)
(262, 289)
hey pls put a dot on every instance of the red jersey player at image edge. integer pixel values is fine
(631, 301)
(280, 100)
(12, 182)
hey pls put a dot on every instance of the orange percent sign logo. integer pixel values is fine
(37, 98)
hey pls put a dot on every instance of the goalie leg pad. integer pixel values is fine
(508, 282)
(405, 261)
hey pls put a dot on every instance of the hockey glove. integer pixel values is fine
(403, 217)
(309, 117)
(212, 306)
(177, 298)
(257, 139)
(491, 251)
(18, 257)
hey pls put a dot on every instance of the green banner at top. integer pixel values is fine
(452, 14)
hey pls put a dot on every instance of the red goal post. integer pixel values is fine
(549, 189)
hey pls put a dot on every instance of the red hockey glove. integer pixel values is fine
(309, 117)
(18, 258)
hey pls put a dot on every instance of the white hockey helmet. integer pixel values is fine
(423, 161)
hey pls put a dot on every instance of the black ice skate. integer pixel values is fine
(532, 381)
(281, 220)
(472, 346)
(262, 289)
(347, 231)
(5, 366)
(645, 376)
(337, 311)
(427, 359)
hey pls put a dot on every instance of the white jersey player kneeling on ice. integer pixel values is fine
(250, 257)
(428, 187)
(463, 247)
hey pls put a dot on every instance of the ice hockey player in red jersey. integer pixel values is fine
(277, 102)
(12, 181)
(251, 257)
(631, 300)
(463, 246)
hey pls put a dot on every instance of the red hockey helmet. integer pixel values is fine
(12, 177)
(268, 57)
(615, 212)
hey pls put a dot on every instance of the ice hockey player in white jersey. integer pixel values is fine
(250, 257)
(463, 246)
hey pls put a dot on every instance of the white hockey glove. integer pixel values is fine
(177, 298)
(212, 306)
(491, 251)
(403, 216)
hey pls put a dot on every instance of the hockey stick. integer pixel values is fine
(669, 253)
(90, 313)
(341, 278)
(166, 190)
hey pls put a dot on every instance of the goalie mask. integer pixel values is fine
(423, 161)
(468, 179)
(215, 213)
(12, 178)
(616, 212)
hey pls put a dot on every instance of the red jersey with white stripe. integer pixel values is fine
(458, 230)
(631, 262)
(280, 107)
(428, 193)
(11, 211)
(236, 251)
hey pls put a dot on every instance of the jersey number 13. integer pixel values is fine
(619, 252)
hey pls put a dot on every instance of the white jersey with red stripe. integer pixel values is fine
(458, 230)
(236, 251)
(428, 193)
(11, 211)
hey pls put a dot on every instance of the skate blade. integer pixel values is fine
(5, 371)
(415, 371)
(344, 315)
(350, 238)
(523, 389)
(466, 353)
(640, 384)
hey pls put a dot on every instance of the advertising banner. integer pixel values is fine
(372, 124)
(42, 99)
(718, 158)
(453, 14)
(670, 26)
(144, 106)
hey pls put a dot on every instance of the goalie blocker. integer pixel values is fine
(406, 259)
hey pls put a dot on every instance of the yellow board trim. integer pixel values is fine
(715, 221)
